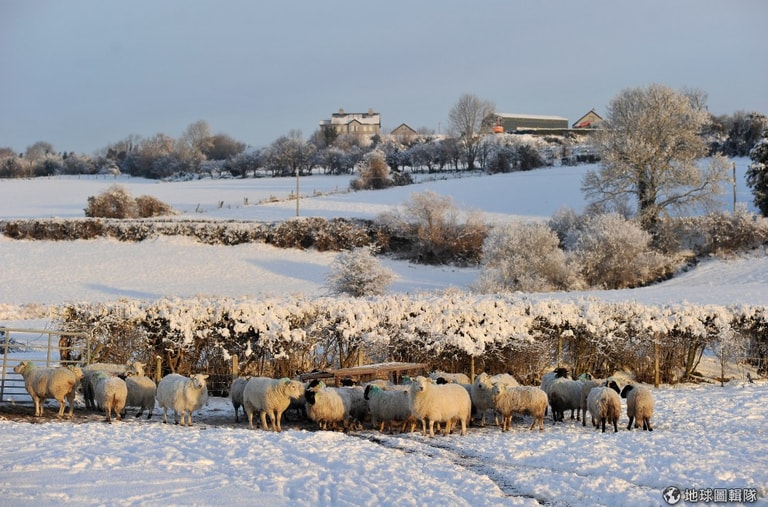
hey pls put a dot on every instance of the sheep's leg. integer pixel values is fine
(263, 417)
(431, 428)
(279, 416)
(165, 415)
(647, 424)
(249, 413)
(629, 426)
(463, 426)
(615, 425)
(602, 422)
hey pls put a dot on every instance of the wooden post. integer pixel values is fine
(472, 368)
(657, 374)
(158, 368)
(235, 368)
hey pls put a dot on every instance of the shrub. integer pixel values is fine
(149, 206)
(527, 257)
(438, 231)
(117, 202)
(373, 172)
(358, 273)
(615, 253)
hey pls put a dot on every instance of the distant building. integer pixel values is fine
(524, 122)
(357, 124)
(590, 120)
(404, 133)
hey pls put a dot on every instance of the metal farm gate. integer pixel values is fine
(40, 347)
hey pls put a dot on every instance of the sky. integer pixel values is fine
(84, 74)
(706, 437)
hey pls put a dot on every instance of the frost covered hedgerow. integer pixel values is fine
(283, 336)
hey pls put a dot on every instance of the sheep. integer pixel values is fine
(58, 383)
(182, 394)
(328, 406)
(141, 390)
(564, 394)
(89, 385)
(110, 392)
(587, 386)
(387, 406)
(439, 403)
(454, 378)
(270, 397)
(548, 378)
(605, 405)
(639, 406)
(525, 400)
(236, 394)
(481, 396)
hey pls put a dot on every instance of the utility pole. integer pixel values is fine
(734, 188)
(297, 191)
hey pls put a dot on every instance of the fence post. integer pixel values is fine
(235, 368)
(158, 368)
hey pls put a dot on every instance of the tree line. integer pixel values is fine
(198, 151)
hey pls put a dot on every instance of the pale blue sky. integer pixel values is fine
(81, 74)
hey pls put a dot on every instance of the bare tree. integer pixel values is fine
(38, 151)
(469, 118)
(650, 146)
(197, 137)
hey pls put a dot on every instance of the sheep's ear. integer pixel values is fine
(321, 384)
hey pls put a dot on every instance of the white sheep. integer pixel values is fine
(270, 397)
(110, 393)
(587, 386)
(523, 400)
(445, 403)
(182, 394)
(481, 395)
(89, 385)
(236, 390)
(57, 383)
(454, 378)
(142, 390)
(329, 406)
(605, 405)
(388, 406)
(564, 394)
(639, 406)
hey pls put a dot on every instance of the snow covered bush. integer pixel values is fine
(358, 273)
(117, 202)
(520, 256)
(373, 172)
(757, 174)
(615, 253)
(438, 231)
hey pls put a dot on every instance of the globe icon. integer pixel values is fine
(671, 495)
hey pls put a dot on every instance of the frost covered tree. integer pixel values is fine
(520, 256)
(650, 145)
(470, 117)
(358, 273)
(614, 253)
(757, 175)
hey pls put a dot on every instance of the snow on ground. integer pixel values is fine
(708, 440)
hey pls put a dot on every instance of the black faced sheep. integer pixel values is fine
(523, 400)
(182, 394)
(450, 378)
(270, 397)
(564, 394)
(447, 403)
(639, 406)
(57, 383)
(329, 406)
(605, 405)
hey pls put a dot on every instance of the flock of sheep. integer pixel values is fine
(443, 399)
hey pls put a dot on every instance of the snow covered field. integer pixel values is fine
(707, 440)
